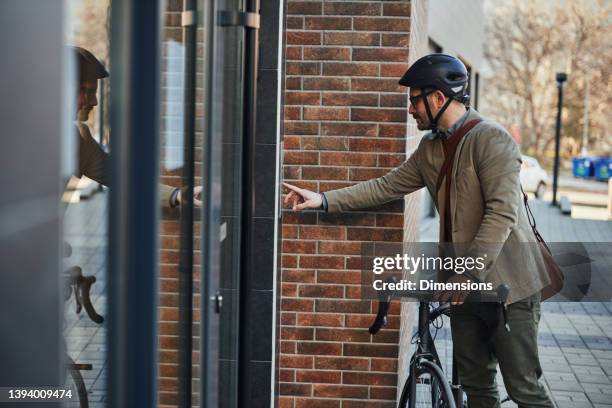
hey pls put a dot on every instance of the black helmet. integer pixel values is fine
(441, 72)
(89, 67)
(438, 71)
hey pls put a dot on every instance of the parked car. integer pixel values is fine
(533, 177)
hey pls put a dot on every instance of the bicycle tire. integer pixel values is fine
(434, 390)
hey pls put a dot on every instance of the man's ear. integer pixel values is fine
(439, 98)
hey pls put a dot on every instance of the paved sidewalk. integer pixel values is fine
(575, 339)
(85, 231)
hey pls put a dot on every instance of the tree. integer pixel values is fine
(526, 43)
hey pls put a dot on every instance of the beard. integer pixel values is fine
(83, 114)
(422, 124)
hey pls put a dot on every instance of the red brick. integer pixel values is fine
(294, 83)
(395, 40)
(351, 38)
(290, 231)
(295, 389)
(303, 38)
(342, 306)
(371, 350)
(302, 68)
(339, 114)
(340, 391)
(292, 173)
(297, 333)
(297, 305)
(331, 247)
(321, 291)
(288, 347)
(324, 143)
(390, 220)
(378, 115)
(392, 130)
(322, 262)
(291, 142)
(381, 24)
(295, 23)
(303, 98)
(338, 277)
(289, 261)
(288, 318)
(290, 361)
(393, 100)
(299, 247)
(322, 232)
(348, 159)
(376, 85)
(349, 99)
(348, 129)
(293, 113)
(369, 378)
(286, 375)
(285, 402)
(304, 7)
(293, 53)
(324, 173)
(319, 348)
(352, 9)
(331, 84)
(383, 393)
(320, 319)
(354, 292)
(318, 376)
(378, 234)
(393, 70)
(303, 276)
(301, 128)
(377, 145)
(350, 69)
(380, 54)
(397, 9)
(289, 289)
(384, 364)
(342, 363)
(328, 23)
(390, 160)
(316, 403)
(301, 157)
(346, 335)
(327, 53)
(362, 174)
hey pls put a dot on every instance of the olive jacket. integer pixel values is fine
(488, 217)
(94, 163)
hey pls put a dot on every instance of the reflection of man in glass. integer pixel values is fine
(93, 161)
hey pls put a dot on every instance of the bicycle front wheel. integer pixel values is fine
(429, 388)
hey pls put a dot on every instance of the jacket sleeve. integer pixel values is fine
(498, 166)
(398, 182)
(93, 161)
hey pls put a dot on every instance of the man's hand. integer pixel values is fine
(197, 190)
(301, 198)
(455, 297)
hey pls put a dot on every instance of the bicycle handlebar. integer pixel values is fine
(498, 295)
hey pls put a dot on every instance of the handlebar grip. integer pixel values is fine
(381, 315)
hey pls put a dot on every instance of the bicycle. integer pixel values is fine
(427, 385)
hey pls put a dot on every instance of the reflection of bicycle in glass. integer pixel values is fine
(427, 385)
(80, 285)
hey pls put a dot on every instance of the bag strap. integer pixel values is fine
(449, 159)
(531, 219)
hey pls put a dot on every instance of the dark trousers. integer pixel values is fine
(480, 341)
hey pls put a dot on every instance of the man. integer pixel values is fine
(93, 161)
(478, 197)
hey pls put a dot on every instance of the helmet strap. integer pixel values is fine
(433, 122)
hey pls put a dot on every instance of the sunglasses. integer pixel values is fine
(415, 99)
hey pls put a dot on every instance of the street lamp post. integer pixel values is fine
(561, 78)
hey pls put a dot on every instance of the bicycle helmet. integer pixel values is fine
(89, 67)
(442, 72)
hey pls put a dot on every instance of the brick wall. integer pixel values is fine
(344, 122)
(171, 166)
